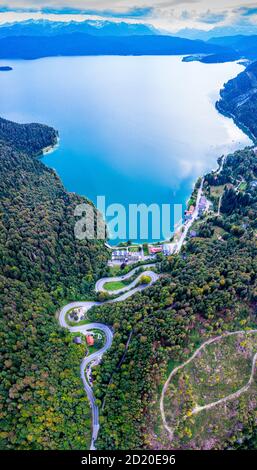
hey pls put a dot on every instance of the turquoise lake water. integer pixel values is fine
(132, 129)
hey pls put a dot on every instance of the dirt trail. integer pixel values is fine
(197, 408)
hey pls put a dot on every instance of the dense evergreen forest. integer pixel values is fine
(28, 138)
(43, 404)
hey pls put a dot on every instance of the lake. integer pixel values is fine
(132, 129)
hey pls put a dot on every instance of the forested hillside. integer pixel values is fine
(209, 288)
(83, 44)
(29, 138)
(244, 45)
(239, 99)
(43, 404)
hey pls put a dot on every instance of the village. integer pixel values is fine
(132, 253)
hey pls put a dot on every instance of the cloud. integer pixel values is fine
(163, 14)
(250, 11)
(131, 13)
(6, 9)
(210, 17)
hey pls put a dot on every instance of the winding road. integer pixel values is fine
(197, 408)
(95, 358)
(99, 287)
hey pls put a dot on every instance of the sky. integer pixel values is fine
(170, 15)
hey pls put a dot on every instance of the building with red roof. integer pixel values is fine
(90, 340)
(155, 249)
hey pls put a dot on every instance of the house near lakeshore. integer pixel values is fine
(153, 250)
(167, 249)
(189, 212)
(120, 255)
(126, 256)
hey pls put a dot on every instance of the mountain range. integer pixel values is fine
(92, 27)
(218, 31)
(34, 39)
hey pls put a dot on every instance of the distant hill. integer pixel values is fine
(32, 47)
(245, 46)
(239, 99)
(218, 31)
(94, 28)
(234, 48)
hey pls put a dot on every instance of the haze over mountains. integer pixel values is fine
(34, 39)
(218, 31)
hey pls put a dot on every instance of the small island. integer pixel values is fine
(5, 68)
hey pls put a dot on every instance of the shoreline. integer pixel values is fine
(179, 229)
(236, 121)
(245, 130)
(50, 148)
